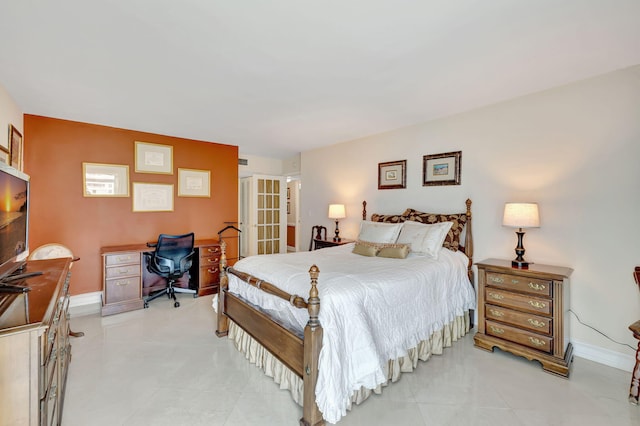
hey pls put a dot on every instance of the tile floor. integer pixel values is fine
(164, 366)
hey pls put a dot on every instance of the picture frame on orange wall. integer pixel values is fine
(15, 147)
(153, 158)
(5, 154)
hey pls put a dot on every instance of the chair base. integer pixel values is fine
(170, 291)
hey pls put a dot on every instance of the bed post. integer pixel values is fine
(311, 415)
(223, 321)
(468, 243)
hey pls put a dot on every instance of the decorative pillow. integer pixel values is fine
(458, 220)
(394, 251)
(388, 218)
(378, 232)
(424, 239)
(365, 249)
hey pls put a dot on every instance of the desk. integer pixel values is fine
(125, 278)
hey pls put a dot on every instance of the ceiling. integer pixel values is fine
(280, 77)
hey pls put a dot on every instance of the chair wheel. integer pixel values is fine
(195, 295)
(146, 305)
(176, 305)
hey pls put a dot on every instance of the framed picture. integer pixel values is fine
(288, 193)
(194, 183)
(15, 147)
(392, 175)
(152, 197)
(105, 180)
(441, 169)
(288, 207)
(154, 158)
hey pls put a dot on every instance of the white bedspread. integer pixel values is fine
(371, 309)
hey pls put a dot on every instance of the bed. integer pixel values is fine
(385, 305)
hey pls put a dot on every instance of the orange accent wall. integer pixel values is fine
(54, 151)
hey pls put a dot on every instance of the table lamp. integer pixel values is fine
(337, 211)
(521, 215)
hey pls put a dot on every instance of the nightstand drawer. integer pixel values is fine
(122, 289)
(521, 302)
(536, 323)
(519, 283)
(210, 251)
(532, 340)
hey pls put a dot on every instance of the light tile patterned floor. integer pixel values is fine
(165, 366)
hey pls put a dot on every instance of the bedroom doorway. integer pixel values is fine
(293, 213)
(263, 215)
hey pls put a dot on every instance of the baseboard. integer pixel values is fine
(85, 304)
(604, 356)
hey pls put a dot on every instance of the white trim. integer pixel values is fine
(86, 303)
(603, 356)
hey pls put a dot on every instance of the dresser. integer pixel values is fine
(125, 276)
(522, 311)
(34, 346)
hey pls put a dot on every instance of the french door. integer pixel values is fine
(263, 215)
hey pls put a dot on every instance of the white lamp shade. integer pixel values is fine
(521, 215)
(337, 211)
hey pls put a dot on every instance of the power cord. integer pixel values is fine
(598, 331)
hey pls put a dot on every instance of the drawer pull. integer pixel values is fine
(537, 342)
(213, 271)
(123, 258)
(122, 283)
(496, 279)
(496, 329)
(123, 271)
(496, 313)
(215, 260)
(537, 287)
(213, 250)
(537, 304)
(514, 281)
(536, 323)
(496, 296)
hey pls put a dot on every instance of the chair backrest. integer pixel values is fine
(318, 232)
(636, 275)
(52, 251)
(173, 255)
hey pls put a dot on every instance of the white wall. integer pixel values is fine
(575, 150)
(10, 113)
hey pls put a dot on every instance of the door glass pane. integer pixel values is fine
(261, 186)
(276, 201)
(268, 217)
(268, 247)
(276, 216)
(269, 189)
(269, 201)
(261, 201)
(261, 247)
(276, 246)
(269, 233)
(276, 186)
(261, 217)
(261, 232)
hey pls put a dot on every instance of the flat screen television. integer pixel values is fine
(14, 219)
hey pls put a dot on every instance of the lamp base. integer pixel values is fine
(337, 238)
(520, 264)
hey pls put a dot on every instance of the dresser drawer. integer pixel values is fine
(526, 338)
(122, 271)
(519, 283)
(209, 275)
(122, 258)
(521, 302)
(536, 323)
(121, 289)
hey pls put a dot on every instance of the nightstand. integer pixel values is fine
(318, 243)
(522, 311)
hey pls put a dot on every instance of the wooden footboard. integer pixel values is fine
(299, 355)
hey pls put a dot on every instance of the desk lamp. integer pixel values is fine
(521, 215)
(337, 211)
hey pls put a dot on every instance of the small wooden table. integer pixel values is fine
(319, 243)
(634, 389)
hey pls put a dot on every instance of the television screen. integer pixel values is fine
(14, 218)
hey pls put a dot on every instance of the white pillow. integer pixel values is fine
(379, 232)
(424, 239)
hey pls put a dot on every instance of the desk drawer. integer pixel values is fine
(121, 289)
(526, 338)
(519, 283)
(122, 271)
(209, 275)
(122, 258)
(210, 251)
(520, 302)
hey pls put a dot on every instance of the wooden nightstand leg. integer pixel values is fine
(634, 390)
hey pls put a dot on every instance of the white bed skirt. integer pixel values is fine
(272, 367)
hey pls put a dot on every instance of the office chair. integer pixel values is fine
(171, 259)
